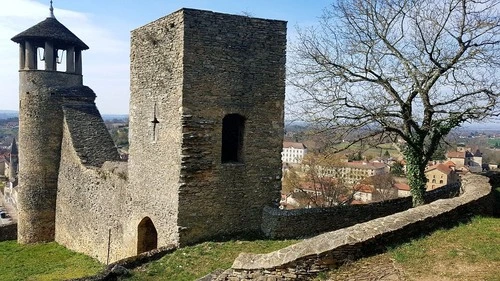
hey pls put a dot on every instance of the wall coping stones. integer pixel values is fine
(474, 187)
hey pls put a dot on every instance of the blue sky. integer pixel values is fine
(105, 26)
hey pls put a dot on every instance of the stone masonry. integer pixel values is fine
(188, 71)
(206, 128)
(304, 260)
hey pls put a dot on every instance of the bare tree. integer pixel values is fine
(384, 187)
(318, 181)
(408, 69)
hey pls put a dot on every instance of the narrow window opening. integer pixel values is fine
(147, 236)
(233, 129)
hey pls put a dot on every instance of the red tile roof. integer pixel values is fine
(449, 164)
(455, 154)
(402, 186)
(366, 188)
(440, 167)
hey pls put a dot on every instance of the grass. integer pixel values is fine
(193, 262)
(467, 252)
(42, 262)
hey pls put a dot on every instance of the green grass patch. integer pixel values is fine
(193, 262)
(472, 247)
(42, 262)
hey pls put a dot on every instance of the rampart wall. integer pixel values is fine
(8, 232)
(287, 224)
(320, 253)
(90, 211)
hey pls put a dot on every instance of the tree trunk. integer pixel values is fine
(415, 171)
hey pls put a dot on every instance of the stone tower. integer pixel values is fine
(14, 162)
(41, 89)
(206, 125)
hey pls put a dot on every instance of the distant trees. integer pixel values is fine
(387, 154)
(397, 169)
(408, 69)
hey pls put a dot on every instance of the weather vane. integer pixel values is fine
(51, 10)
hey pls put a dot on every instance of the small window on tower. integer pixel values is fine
(233, 128)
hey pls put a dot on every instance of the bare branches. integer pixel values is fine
(395, 64)
(415, 69)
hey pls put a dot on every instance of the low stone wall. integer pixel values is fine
(304, 260)
(8, 232)
(289, 224)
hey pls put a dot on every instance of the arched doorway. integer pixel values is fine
(147, 237)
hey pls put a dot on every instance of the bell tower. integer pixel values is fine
(42, 50)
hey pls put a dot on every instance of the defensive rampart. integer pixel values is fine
(307, 258)
(299, 223)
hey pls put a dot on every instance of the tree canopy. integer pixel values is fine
(405, 69)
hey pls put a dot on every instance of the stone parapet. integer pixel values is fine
(320, 253)
(299, 223)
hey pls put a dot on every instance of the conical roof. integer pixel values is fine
(51, 30)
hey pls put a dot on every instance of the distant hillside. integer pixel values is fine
(5, 114)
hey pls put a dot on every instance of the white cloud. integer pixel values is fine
(105, 64)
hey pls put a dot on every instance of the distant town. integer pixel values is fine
(319, 174)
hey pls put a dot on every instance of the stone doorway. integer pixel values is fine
(147, 237)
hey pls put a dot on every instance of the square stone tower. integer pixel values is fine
(206, 126)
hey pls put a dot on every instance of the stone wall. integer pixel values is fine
(40, 134)
(311, 256)
(89, 135)
(232, 65)
(90, 203)
(188, 71)
(155, 127)
(289, 224)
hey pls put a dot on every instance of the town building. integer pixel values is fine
(356, 171)
(440, 175)
(403, 189)
(471, 158)
(293, 152)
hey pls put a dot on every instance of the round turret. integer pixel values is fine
(41, 91)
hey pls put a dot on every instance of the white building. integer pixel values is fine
(293, 152)
(354, 172)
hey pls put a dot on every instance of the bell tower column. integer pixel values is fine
(41, 124)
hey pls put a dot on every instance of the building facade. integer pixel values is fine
(440, 175)
(293, 152)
